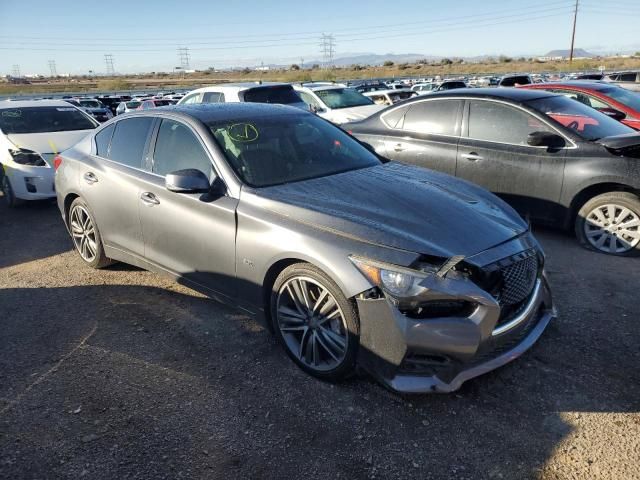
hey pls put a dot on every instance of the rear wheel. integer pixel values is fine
(610, 223)
(85, 235)
(9, 196)
(315, 322)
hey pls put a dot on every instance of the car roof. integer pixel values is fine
(586, 84)
(390, 90)
(213, 112)
(237, 86)
(33, 103)
(325, 86)
(515, 94)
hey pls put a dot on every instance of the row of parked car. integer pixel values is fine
(367, 237)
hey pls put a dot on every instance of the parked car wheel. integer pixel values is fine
(9, 197)
(317, 326)
(610, 223)
(85, 235)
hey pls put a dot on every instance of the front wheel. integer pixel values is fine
(610, 223)
(85, 235)
(9, 196)
(316, 324)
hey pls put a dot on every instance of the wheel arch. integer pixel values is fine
(593, 190)
(68, 200)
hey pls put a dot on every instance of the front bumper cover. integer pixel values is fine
(450, 350)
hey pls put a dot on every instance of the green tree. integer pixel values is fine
(388, 63)
(295, 67)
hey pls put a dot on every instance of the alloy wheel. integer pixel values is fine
(83, 233)
(612, 228)
(312, 323)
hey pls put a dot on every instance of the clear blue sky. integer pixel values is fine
(144, 35)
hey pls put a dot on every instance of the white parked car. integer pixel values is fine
(31, 134)
(337, 103)
(426, 88)
(389, 97)
(130, 106)
(267, 92)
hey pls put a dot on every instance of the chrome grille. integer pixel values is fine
(518, 280)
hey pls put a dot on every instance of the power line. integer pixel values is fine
(183, 55)
(108, 60)
(52, 68)
(15, 71)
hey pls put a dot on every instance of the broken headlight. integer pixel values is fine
(399, 282)
(27, 157)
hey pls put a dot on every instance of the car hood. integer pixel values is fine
(352, 114)
(96, 109)
(399, 206)
(48, 143)
(627, 144)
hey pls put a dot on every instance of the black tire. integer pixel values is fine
(620, 200)
(99, 260)
(346, 365)
(9, 196)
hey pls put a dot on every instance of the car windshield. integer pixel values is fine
(583, 120)
(133, 104)
(623, 96)
(44, 119)
(284, 94)
(271, 150)
(90, 104)
(342, 98)
(163, 103)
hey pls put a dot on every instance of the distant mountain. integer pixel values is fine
(375, 59)
(577, 52)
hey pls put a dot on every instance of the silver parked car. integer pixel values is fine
(424, 280)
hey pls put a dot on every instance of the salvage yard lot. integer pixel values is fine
(122, 373)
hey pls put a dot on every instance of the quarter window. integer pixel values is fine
(177, 148)
(129, 139)
(495, 122)
(102, 141)
(213, 97)
(433, 117)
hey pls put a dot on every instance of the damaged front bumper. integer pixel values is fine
(418, 355)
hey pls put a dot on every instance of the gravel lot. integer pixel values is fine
(121, 373)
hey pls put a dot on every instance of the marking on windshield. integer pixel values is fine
(12, 113)
(243, 132)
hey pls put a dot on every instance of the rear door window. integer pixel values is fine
(213, 97)
(129, 140)
(433, 117)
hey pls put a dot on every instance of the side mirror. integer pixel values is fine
(545, 139)
(613, 113)
(189, 180)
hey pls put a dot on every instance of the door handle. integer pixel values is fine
(398, 147)
(471, 156)
(149, 198)
(90, 178)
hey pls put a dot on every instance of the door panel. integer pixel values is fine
(190, 235)
(528, 178)
(428, 151)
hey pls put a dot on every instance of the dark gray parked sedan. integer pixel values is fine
(423, 280)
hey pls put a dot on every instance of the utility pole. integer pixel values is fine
(327, 47)
(16, 71)
(108, 60)
(52, 67)
(573, 34)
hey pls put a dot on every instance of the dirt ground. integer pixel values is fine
(123, 374)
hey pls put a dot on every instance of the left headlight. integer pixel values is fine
(400, 282)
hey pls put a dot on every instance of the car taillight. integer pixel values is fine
(57, 161)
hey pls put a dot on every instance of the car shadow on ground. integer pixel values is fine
(115, 381)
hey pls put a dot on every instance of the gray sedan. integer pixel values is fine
(421, 279)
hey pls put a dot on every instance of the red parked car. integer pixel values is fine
(617, 102)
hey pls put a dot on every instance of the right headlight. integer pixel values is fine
(400, 282)
(27, 157)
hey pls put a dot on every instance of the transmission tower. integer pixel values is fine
(327, 47)
(52, 67)
(16, 71)
(183, 55)
(108, 60)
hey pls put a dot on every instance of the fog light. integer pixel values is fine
(30, 183)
